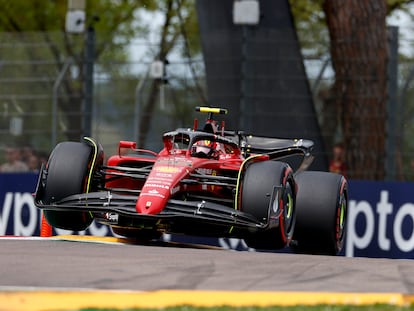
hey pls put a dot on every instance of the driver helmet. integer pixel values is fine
(204, 148)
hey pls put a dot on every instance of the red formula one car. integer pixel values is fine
(206, 182)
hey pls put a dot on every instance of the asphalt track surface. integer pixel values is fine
(166, 274)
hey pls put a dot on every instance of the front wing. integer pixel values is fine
(187, 217)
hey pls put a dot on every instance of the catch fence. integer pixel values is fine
(40, 90)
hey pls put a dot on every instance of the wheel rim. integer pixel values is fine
(288, 208)
(341, 217)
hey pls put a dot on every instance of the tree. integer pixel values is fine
(179, 23)
(359, 56)
(117, 24)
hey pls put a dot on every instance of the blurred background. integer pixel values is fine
(339, 73)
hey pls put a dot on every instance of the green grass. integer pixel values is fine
(295, 308)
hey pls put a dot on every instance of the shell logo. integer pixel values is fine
(167, 169)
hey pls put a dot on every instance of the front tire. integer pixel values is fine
(68, 173)
(322, 203)
(268, 193)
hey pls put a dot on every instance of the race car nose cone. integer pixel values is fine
(151, 200)
(149, 206)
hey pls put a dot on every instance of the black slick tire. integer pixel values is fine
(67, 174)
(321, 213)
(268, 193)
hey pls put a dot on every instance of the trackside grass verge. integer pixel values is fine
(295, 308)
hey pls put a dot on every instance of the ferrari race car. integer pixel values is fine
(204, 182)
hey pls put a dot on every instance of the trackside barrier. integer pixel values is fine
(380, 218)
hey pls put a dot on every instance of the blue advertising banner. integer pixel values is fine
(19, 216)
(380, 217)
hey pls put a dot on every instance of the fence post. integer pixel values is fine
(55, 96)
(88, 82)
(137, 108)
(392, 105)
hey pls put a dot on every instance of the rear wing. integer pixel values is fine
(278, 148)
(259, 144)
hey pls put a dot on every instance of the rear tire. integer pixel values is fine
(259, 198)
(67, 173)
(322, 203)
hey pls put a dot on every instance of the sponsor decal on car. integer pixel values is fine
(165, 176)
(175, 190)
(205, 171)
(152, 185)
(153, 193)
(167, 169)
